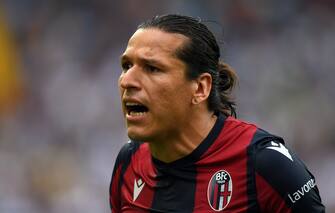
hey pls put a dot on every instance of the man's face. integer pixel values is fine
(156, 96)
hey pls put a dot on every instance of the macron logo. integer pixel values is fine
(138, 186)
(280, 148)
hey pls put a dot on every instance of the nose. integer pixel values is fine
(129, 79)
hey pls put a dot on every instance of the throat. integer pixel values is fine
(171, 152)
(168, 149)
(172, 149)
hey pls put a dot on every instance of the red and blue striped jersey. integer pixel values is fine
(238, 167)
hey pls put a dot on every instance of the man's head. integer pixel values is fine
(171, 72)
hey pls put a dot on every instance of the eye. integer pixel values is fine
(151, 68)
(126, 66)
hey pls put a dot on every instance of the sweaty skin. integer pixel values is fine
(153, 76)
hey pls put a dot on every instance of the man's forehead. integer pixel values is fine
(153, 41)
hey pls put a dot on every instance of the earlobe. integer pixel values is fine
(195, 101)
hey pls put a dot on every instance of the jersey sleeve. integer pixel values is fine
(121, 163)
(283, 183)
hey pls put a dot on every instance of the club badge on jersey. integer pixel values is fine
(220, 190)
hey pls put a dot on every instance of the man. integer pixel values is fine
(187, 153)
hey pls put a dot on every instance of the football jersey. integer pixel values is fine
(238, 167)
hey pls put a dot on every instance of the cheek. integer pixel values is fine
(175, 100)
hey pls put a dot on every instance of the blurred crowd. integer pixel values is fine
(60, 120)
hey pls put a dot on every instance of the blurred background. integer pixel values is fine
(60, 120)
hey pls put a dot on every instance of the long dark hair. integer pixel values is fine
(200, 54)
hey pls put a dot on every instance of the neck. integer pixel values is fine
(183, 142)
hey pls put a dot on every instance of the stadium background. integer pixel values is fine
(60, 120)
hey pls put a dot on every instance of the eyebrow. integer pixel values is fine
(143, 60)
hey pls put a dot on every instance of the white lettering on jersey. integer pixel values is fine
(297, 195)
(281, 149)
(138, 186)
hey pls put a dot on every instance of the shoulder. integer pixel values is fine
(280, 171)
(121, 164)
(274, 161)
(127, 151)
(272, 158)
(123, 160)
(235, 129)
(234, 123)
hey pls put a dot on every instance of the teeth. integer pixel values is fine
(132, 104)
(133, 113)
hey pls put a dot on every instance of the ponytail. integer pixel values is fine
(221, 94)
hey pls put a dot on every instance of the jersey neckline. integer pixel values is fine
(196, 154)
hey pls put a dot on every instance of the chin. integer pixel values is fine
(137, 136)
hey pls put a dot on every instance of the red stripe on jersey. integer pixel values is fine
(225, 194)
(140, 170)
(229, 153)
(269, 199)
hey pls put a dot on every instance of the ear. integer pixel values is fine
(203, 86)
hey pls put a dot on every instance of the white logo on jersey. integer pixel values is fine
(280, 148)
(138, 186)
(297, 195)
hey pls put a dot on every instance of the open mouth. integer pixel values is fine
(135, 109)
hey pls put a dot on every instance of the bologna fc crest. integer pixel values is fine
(220, 190)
